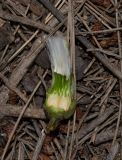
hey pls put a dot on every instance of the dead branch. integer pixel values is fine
(24, 20)
(102, 58)
(105, 136)
(85, 130)
(22, 68)
(14, 111)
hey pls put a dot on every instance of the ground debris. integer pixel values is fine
(6, 35)
(94, 30)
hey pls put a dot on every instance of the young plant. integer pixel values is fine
(60, 103)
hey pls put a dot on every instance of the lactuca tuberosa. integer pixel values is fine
(60, 103)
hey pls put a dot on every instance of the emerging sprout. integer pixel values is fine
(60, 102)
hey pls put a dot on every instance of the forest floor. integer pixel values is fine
(93, 30)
